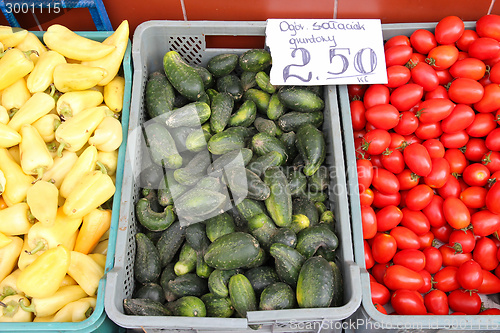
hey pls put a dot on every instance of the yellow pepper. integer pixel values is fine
(3, 205)
(94, 189)
(74, 46)
(86, 272)
(15, 95)
(42, 278)
(35, 108)
(42, 237)
(3, 181)
(8, 286)
(17, 182)
(47, 125)
(48, 305)
(74, 133)
(14, 153)
(61, 167)
(13, 311)
(14, 65)
(42, 75)
(8, 136)
(71, 77)
(68, 281)
(102, 247)
(31, 42)
(35, 156)
(9, 255)
(71, 103)
(108, 135)
(43, 200)
(94, 225)
(72, 312)
(16, 220)
(11, 37)
(99, 258)
(2, 49)
(4, 240)
(86, 162)
(4, 115)
(113, 94)
(112, 62)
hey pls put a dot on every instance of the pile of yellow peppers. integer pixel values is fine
(60, 104)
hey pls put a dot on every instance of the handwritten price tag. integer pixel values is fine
(326, 51)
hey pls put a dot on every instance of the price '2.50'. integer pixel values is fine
(364, 62)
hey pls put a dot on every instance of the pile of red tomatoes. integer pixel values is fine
(428, 162)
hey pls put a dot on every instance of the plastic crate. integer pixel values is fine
(96, 9)
(151, 41)
(367, 318)
(97, 321)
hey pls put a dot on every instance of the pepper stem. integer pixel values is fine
(102, 167)
(27, 308)
(60, 149)
(39, 173)
(89, 312)
(12, 112)
(40, 245)
(7, 291)
(30, 52)
(31, 217)
(3, 305)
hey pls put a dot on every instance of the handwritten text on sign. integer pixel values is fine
(326, 51)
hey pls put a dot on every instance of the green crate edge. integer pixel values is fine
(98, 317)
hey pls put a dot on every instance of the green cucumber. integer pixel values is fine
(300, 99)
(152, 220)
(232, 251)
(328, 218)
(206, 76)
(225, 142)
(263, 143)
(198, 202)
(312, 148)
(222, 64)
(147, 267)
(264, 82)
(210, 183)
(179, 101)
(194, 169)
(188, 284)
(292, 121)
(244, 116)
(196, 237)
(246, 132)
(338, 285)
(166, 276)
(219, 225)
(305, 206)
(218, 280)
(244, 183)
(315, 287)
(262, 228)
(288, 262)
(190, 115)
(279, 202)
(320, 207)
(266, 126)
(255, 60)
(230, 84)
(234, 158)
(261, 277)
(248, 80)
(211, 93)
(219, 307)
(288, 140)
(259, 260)
(248, 208)
(162, 146)
(180, 135)
(197, 140)
(275, 108)
(320, 180)
(169, 189)
(187, 260)
(188, 306)
(202, 268)
(297, 182)
(242, 294)
(285, 236)
(222, 107)
(159, 96)
(150, 176)
(311, 239)
(317, 196)
(259, 97)
(144, 307)
(152, 291)
(261, 163)
(183, 77)
(327, 254)
(299, 222)
(277, 296)
(170, 242)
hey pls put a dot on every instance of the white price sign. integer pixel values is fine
(326, 51)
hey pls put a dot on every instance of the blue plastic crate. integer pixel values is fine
(98, 321)
(96, 8)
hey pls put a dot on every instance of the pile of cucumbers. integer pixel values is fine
(233, 212)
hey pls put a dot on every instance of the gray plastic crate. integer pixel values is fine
(151, 41)
(367, 318)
